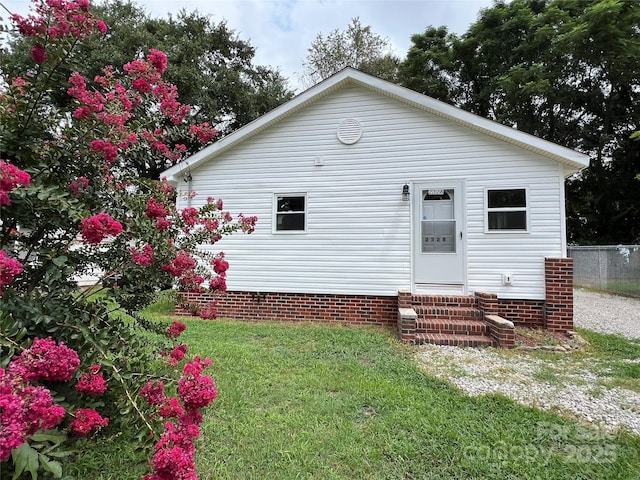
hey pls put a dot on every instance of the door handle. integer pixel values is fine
(460, 235)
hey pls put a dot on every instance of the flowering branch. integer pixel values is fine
(70, 203)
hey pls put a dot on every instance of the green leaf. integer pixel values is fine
(60, 261)
(21, 334)
(56, 454)
(54, 436)
(51, 466)
(25, 457)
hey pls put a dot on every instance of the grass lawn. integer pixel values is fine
(332, 402)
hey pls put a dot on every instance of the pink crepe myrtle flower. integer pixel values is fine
(9, 269)
(153, 392)
(174, 457)
(10, 178)
(40, 411)
(45, 360)
(211, 224)
(163, 224)
(165, 186)
(87, 420)
(101, 26)
(78, 185)
(203, 132)
(92, 382)
(247, 224)
(12, 433)
(196, 390)
(142, 85)
(218, 284)
(190, 281)
(190, 216)
(179, 266)
(142, 257)
(59, 18)
(220, 265)
(38, 54)
(177, 355)
(156, 209)
(209, 312)
(82, 113)
(158, 59)
(24, 409)
(97, 228)
(171, 408)
(176, 329)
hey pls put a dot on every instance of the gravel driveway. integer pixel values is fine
(606, 313)
(566, 384)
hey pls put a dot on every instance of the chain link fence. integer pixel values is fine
(611, 268)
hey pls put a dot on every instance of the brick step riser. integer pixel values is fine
(454, 340)
(448, 315)
(438, 300)
(466, 302)
(449, 319)
(462, 328)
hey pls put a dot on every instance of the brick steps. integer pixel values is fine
(446, 320)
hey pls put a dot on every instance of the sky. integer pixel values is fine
(282, 30)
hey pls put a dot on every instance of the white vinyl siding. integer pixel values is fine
(358, 228)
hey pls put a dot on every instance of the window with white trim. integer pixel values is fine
(506, 210)
(290, 212)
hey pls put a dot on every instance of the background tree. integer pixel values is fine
(563, 70)
(358, 47)
(211, 67)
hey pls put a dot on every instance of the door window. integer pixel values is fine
(438, 224)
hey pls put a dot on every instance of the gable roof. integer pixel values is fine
(570, 159)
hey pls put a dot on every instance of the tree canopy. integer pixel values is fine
(211, 67)
(564, 70)
(357, 46)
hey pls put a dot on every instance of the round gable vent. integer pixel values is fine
(349, 131)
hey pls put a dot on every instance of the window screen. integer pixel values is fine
(290, 212)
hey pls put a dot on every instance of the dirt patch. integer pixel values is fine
(536, 337)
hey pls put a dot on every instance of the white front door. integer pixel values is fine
(438, 236)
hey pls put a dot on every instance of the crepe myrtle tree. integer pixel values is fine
(69, 205)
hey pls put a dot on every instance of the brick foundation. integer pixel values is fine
(556, 313)
(523, 313)
(300, 307)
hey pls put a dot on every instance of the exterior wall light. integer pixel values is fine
(405, 193)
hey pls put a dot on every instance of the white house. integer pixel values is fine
(364, 188)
